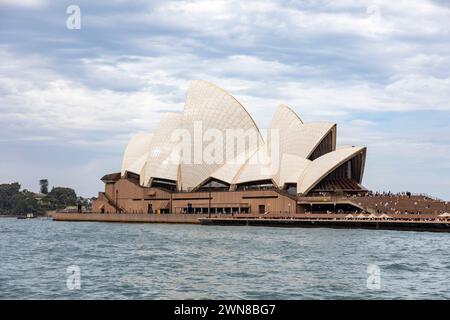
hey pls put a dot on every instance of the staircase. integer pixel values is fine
(113, 203)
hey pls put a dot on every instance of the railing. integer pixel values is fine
(113, 203)
(327, 198)
(396, 194)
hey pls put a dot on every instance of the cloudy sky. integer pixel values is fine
(70, 99)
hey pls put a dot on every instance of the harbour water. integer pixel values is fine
(174, 261)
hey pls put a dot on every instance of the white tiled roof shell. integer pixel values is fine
(229, 171)
(136, 153)
(291, 168)
(257, 167)
(323, 165)
(295, 138)
(159, 163)
(285, 117)
(149, 155)
(215, 109)
(302, 140)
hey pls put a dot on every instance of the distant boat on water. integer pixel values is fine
(28, 216)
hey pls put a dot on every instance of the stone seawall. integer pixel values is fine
(411, 225)
(427, 223)
(129, 217)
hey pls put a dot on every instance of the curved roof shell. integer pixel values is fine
(291, 168)
(285, 117)
(257, 168)
(295, 152)
(136, 153)
(325, 164)
(160, 162)
(289, 135)
(213, 108)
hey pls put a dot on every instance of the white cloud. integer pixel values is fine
(40, 97)
(33, 96)
(23, 3)
(250, 20)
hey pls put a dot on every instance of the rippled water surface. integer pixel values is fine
(163, 261)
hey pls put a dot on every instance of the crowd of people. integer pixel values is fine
(403, 203)
(389, 194)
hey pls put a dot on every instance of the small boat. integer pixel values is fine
(28, 216)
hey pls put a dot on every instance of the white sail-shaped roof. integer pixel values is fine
(302, 140)
(159, 162)
(211, 112)
(209, 107)
(136, 153)
(291, 168)
(257, 167)
(324, 165)
(230, 169)
(294, 138)
(285, 117)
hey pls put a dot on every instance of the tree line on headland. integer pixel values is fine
(14, 201)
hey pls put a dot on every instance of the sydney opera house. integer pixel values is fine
(212, 158)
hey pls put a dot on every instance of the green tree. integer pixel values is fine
(61, 197)
(44, 186)
(24, 202)
(14, 201)
(7, 192)
(48, 202)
